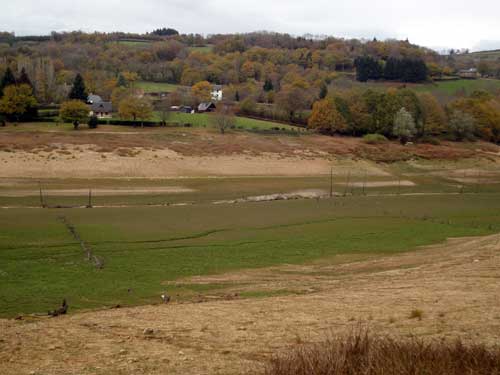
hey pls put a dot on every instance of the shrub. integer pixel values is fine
(360, 354)
(416, 314)
(372, 139)
(93, 122)
(430, 140)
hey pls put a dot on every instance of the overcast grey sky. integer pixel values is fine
(433, 23)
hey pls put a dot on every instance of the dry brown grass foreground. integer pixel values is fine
(363, 354)
(448, 291)
(201, 152)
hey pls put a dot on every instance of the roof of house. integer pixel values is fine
(102, 107)
(94, 99)
(205, 106)
(217, 87)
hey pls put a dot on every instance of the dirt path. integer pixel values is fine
(456, 285)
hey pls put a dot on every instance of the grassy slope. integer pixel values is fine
(204, 120)
(466, 85)
(145, 247)
(447, 89)
(204, 49)
(156, 86)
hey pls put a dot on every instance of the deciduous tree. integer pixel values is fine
(462, 125)
(135, 109)
(404, 126)
(17, 100)
(202, 91)
(326, 118)
(74, 111)
(223, 118)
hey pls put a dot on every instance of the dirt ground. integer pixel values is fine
(456, 286)
(170, 153)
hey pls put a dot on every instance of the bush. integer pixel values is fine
(93, 122)
(360, 354)
(373, 139)
(416, 314)
(430, 140)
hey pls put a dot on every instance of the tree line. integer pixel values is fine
(394, 69)
(403, 114)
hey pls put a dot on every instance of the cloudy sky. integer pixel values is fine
(433, 23)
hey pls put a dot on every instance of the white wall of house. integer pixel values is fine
(217, 95)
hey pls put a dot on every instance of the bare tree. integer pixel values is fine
(165, 112)
(224, 117)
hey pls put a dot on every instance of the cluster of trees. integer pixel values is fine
(394, 69)
(405, 115)
(165, 32)
(165, 56)
(16, 96)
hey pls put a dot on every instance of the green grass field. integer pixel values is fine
(204, 120)
(205, 49)
(483, 55)
(156, 86)
(144, 248)
(135, 43)
(444, 90)
(467, 86)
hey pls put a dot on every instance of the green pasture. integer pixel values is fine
(147, 248)
(135, 42)
(205, 120)
(462, 86)
(148, 86)
(205, 49)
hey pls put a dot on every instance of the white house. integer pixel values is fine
(101, 109)
(217, 93)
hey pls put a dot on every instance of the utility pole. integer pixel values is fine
(90, 199)
(42, 203)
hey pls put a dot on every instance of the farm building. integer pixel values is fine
(469, 73)
(186, 109)
(101, 109)
(206, 107)
(216, 93)
(92, 98)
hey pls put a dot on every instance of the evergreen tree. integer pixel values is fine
(392, 69)
(7, 80)
(367, 68)
(122, 81)
(24, 79)
(323, 92)
(268, 85)
(78, 91)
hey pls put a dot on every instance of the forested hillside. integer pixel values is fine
(307, 81)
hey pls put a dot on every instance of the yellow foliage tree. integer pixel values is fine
(326, 118)
(17, 100)
(74, 111)
(132, 108)
(202, 91)
(433, 114)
